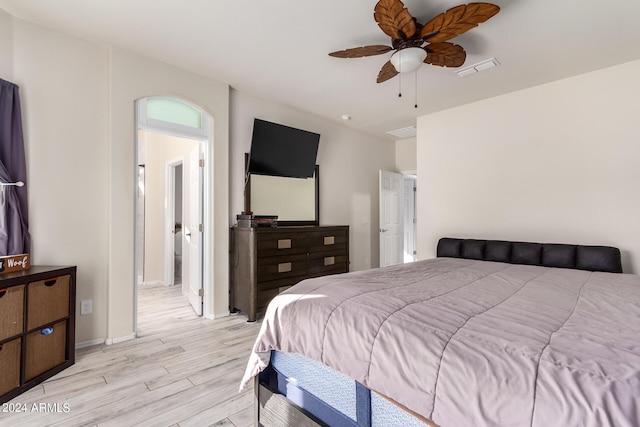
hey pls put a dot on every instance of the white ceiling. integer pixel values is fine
(277, 49)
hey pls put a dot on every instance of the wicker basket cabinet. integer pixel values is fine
(37, 326)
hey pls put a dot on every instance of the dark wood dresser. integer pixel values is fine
(265, 261)
(37, 326)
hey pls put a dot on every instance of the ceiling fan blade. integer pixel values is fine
(359, 52)
(457, 20)
(394, 19)
(445, 54)
(387, 72)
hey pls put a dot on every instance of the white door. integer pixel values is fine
(193, 231)
(173, 238)
(409, 214)
(391, 218)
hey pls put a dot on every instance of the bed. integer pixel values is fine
(488, 333)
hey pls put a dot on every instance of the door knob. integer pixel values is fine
(382, 230)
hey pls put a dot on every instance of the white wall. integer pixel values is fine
(78, 112)
(78, 115)
(406, 155)
(64, 93)
(6, 46)
(349, 163)
(134, 77)
(553, 163)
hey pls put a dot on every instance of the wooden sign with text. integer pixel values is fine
(14, 263)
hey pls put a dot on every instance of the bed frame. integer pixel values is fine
(273, 408)
(578, 257)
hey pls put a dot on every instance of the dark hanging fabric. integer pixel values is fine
(14, 224)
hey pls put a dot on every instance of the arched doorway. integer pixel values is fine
(173, 138)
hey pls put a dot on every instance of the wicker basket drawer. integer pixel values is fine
(45, 349)
(11, 311)
(48, 301)
(10, 365)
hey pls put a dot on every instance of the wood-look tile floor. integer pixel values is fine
(182, 370)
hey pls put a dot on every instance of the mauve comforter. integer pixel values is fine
(472, 343)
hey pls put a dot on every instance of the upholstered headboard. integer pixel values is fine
(592, 258)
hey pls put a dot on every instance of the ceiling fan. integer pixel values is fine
(415, 43)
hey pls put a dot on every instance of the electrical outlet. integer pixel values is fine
(86, 306)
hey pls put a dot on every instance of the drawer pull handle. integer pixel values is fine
(3, 292)
(284, 267)
(284, 244)
(50, 282)
(329, 260)
(329, 240)
(1, 345)
(47, 331)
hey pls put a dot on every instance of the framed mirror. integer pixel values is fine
(296, 201)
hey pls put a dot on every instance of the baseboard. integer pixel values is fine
(218, 315)
(91, 343)
(110, 341)
(152, 283)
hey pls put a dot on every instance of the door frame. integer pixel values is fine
(205, 136)
(139, 226)
(196, 295)
(170, 218)
(410, 231)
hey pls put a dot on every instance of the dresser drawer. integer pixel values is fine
(45, 349)
(280, 243)
(48, 301)
(11, 311)
(265, 297)
(283, 282)
(273, 268)
(10, 365)
(331, 264)
(327, 240)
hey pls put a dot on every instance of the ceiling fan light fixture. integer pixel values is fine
(408, 59)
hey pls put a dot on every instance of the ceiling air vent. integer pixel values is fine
(407, 132)
(480, 66)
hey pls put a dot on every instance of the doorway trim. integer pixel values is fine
(410, 219)
(204, 135)
(170, 218)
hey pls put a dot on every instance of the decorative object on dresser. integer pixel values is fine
(11, 263)
(37, 326)
(266, 261)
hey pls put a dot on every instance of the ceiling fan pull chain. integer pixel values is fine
(400, 81)
(416, 89)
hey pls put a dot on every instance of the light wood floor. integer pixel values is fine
(182, 371)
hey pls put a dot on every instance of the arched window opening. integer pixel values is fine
(173, 116)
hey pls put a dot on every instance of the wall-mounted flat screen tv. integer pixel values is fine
(279, 150)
